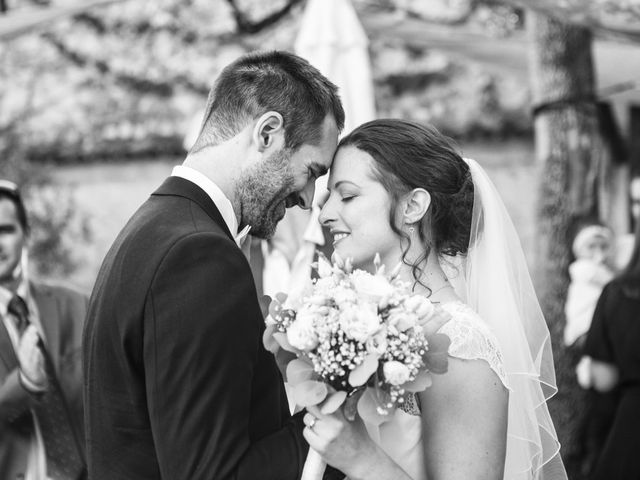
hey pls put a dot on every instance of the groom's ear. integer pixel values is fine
(268, 131)
(416, 204)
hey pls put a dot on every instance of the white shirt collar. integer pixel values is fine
(6, 295)
(219, 198)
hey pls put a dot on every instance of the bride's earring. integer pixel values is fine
(411, 230)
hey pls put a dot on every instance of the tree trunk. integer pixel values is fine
(568, 149)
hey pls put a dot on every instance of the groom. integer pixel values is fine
(177, 383)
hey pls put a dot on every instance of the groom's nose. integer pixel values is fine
(325, 216)
(305, 197)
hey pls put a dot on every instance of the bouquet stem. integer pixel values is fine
(314, 466)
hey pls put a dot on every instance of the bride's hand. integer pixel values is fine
(435, 321)
(343, 444)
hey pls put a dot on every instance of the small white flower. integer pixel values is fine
(377, 343)
(396, 373)
(344, 296)
(301, 333)
(325, 285)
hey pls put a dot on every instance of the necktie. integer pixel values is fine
(64, 458)
(18, 308)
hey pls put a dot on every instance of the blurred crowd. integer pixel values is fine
(602, 331)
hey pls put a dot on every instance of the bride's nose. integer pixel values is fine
(327, 214)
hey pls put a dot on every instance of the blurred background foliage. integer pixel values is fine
(127, 81)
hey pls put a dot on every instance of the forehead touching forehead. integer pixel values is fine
(319, 155)
(352, 164)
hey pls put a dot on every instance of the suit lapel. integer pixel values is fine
(184, 188)
(49, 319)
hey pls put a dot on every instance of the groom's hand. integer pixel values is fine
(344, 444)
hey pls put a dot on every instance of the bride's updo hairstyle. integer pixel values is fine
(408, 155)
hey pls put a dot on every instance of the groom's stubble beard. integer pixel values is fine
(261, 191)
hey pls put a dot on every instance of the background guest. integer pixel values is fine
(625, 242)
(40, 365)
(590, 272)
(612, 343)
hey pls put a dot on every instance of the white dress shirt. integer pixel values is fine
(217, 196)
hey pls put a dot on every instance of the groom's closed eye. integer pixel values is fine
(317, 170)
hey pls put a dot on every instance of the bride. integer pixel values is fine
(400, 189)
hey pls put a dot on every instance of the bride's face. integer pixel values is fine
(357, 211)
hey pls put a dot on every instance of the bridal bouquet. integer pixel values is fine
(356, 340)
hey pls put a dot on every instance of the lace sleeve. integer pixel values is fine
(471, 338)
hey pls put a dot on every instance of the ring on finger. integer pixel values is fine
(312, 422)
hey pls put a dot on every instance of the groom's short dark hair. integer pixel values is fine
(270, 81)
(11, 192)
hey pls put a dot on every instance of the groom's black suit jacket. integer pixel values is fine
(177, 382)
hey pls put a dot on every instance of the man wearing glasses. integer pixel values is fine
(40, 363)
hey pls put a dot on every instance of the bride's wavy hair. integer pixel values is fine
(409, 155)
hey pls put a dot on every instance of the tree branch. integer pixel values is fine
(19, 23)
(587, 16)
(245, 25)
(452, 19)
(137, 84)
(92, 21)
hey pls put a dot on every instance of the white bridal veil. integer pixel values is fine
(494, 280)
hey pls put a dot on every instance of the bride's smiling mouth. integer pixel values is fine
(337, 236)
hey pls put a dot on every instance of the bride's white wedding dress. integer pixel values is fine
(471, 339)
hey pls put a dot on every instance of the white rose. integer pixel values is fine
(317, 299)
(343, 296)
(420, 305)
(324, 285)
(301, 333)
(372, 287)
(396, 373)
(360, 321)
(377, 343)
